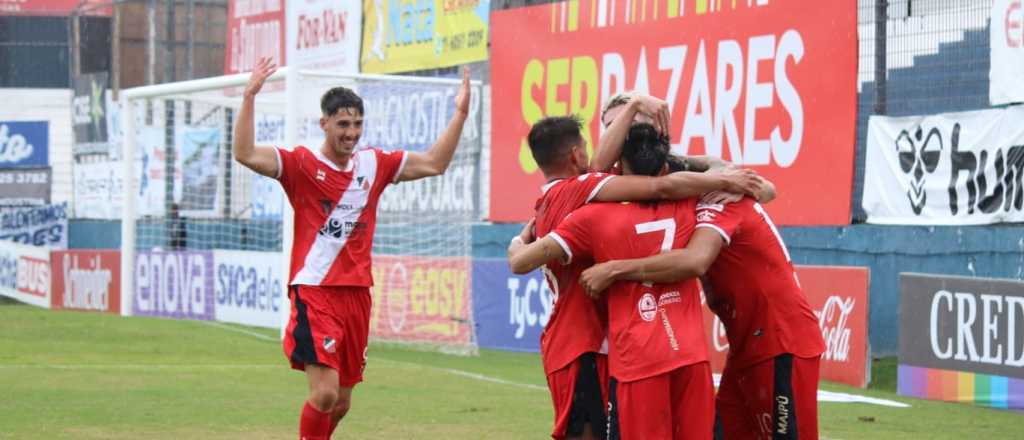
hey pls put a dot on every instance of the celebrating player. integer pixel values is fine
(661, 385)
(334, 191)
(572, 340)
(770, 383)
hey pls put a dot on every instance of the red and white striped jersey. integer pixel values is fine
(335, 212)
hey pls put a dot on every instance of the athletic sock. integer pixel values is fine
(314, 424)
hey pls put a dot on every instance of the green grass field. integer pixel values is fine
(70, 375)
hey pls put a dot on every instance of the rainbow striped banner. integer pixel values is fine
(960, 386)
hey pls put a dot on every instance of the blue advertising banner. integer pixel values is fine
(510, 310)
(45, 225)
(24, 144)
(406, 116)
(175, 285)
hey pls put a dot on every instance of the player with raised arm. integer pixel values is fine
(770, 383)
(571, 344)
(657, 356)
(334, 190)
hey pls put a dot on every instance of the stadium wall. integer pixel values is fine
(996, 252)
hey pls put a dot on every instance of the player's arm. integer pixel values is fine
(609, 148)
(262, 160)
(668, 267)
(523, 257)
(677, 186)
(705, 163)
(436, 159)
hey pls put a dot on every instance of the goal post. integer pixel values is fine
(205, 238)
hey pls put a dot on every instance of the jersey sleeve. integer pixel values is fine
(287, 167)
(725, 219)
(590, 184)
(573, 235)
(390, 164)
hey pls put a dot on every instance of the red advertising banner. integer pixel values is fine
(767, 85)
(255, 30)
(54, 7)
(86, 280)
(421, 299)
(839, 296)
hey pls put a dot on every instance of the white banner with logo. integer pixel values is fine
(250, 288)
(97, 190)
(1006, 70)
(948, 169)
(324, 34)
(25, 273)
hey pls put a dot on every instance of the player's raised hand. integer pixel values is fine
(740, 180)
(263, 69)
(528, 234)
(657, 110)
(462, 99)
(720, 198)
(596, 278)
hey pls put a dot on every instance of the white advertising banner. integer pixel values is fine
(1007, 52)
(249, 287)
(25, 273)
(948, 169)
(97, 189)
(324, 34)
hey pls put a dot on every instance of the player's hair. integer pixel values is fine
(615, 101)
(646, 151)
(551, 138)
(338, 98)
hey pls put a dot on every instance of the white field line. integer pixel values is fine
(241, 330)
(138, 366)
(475, 376)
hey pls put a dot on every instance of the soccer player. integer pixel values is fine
(334, 191)
(770, 383)
(575, 332)
(661, 387)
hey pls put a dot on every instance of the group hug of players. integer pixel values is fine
(624, 350)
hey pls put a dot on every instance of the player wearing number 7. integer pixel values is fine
(770, 383)
(661, 381)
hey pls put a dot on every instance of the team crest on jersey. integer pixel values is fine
(326, 205)
(329, 344)
(363, 182)
(647, 307)
(705, 216)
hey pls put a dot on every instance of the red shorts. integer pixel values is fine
(580, 395)
(329, 325)
(774, 399)
(677, 405)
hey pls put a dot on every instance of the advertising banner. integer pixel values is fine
(766, 85)
(407, 35)
(947, 169)
(174, 285)
(511, 309)
(54, 7)
(45, 225)
(421, 299)
(1007, 52)
(960, 339)
(89, 114)
(25, 186)
(25, 273)
(249, 287)
(86, 280)
(24, 144)
(839, 297)
(255, 30)
(150, 146)
(199, 148)
(97, 189)
(409, 116)
(324, 34)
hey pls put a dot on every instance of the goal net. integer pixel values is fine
(206, 238)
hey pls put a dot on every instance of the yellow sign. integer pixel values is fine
(408, 35)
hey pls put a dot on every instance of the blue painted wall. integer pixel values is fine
(983, 251)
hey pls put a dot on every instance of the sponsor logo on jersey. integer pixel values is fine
(321, 175)
(647, 307)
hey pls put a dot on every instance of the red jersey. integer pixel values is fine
(755, 291)
(652, 329)
(335, 212)
(577, 323)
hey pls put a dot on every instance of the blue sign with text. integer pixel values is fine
(24, 144)
(510, 310)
